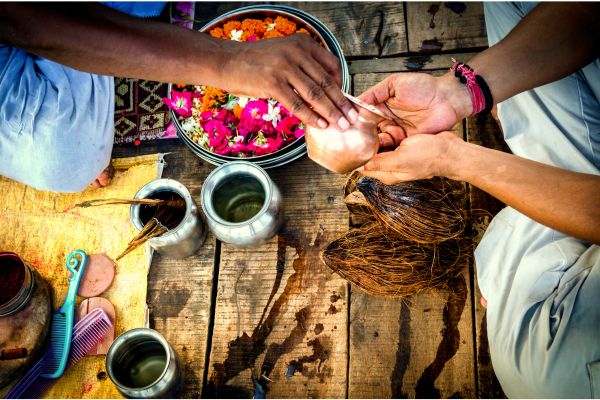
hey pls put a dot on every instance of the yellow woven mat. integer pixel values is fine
(42, 229)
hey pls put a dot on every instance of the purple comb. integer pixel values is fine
(86, 334)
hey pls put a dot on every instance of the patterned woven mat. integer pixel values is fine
(140, 114)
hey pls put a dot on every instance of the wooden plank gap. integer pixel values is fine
(410, 62)
(211, 317)
(406, 26)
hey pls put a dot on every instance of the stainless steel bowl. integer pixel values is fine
(297, 148)
(243, 206)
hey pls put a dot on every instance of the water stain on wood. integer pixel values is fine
(431, 45)
(403, 352)
(321, 353)
(276, 350)
(415, 63)
(244, 351)
(169, 302)
(457, 7)
(334, 297)
(319, 328)
(450, 343)
(433, 9)
(332, 310)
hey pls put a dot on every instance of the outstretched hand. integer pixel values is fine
(297, 72)
(428, 104)
(417, 157)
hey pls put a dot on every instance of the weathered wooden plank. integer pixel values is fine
(444, 26)
(281, 314)
(419, 347)
(422, 62)
(363, 29)
(484, 131)
(179, 291)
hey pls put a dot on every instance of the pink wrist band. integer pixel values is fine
(475, 85)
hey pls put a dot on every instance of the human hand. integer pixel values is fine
(417, 157)
(297, 72)
(429, 104)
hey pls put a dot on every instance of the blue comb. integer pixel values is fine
(61, 329)
(86, 334)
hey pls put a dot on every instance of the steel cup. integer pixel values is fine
(142, 364)
(243, 206)
(185, 239)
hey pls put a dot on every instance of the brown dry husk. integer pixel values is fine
(424, 211)
(410, 237)
(384, 265)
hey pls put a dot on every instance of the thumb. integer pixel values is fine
(377, 94)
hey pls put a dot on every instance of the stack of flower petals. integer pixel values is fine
(237, 126)
(413, 238)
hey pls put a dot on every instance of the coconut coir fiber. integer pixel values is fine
(412, 239)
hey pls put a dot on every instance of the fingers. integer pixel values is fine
(328, 61)
(296, 104)
(385, 167)
(392, 135)
(317, 88)
(389, 161)
(379, 93)
(385, 177)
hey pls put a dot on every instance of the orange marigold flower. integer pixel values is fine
(218, 33)
(272, 34)
(180, 85)
(231, 25)
(268, 20)
(285, 26)
(212, 98)
(237, 111)
(253, 27)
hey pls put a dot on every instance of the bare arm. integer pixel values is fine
(551, 42)
(94, 38)
(563, 200)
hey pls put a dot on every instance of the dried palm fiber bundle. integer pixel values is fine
(382, 264)
(424, 211)
(359, 208)
(167, 215)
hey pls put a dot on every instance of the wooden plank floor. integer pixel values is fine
(276, 313)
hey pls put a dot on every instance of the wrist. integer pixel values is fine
(457, 95)
(453, 162)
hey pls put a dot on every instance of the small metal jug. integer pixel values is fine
(185, 239)
(243, 206)
(142, 364)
